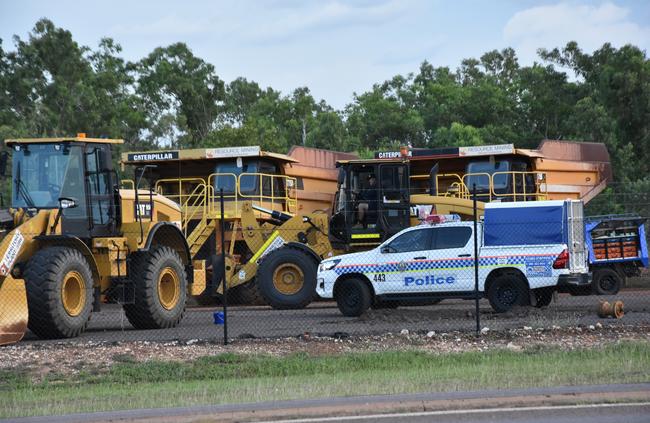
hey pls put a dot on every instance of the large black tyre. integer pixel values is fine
(543, 296)
(507, 291)
(606, 281)
(286, 278)
(60, 292)
(160, 289)
(247, 293)
(353, 297)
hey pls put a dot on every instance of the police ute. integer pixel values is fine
(526, 251)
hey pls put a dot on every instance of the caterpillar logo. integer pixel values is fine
(390, 154)
(154, 156)
(143, 210)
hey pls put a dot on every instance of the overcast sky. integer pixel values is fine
(335, 48)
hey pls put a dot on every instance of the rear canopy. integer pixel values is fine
(525, 223)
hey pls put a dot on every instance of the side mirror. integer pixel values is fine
(3, 163)
(385, 249)
(68, 202)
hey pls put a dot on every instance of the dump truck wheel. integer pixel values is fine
(287, 278)
(506, 291)
(160, 289)
(60, 292)
(606, 281)
(353, 297)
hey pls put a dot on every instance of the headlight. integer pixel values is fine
(328, 265)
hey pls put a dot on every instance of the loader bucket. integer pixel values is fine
(13, 310)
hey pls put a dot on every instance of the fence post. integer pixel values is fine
(476, 263)
(223, 269)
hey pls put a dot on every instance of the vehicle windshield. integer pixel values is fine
(42, 173)
(482, 181)
(227, 181)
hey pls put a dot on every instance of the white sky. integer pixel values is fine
(335, 48)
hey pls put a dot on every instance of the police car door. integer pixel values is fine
(401, 260)
(451, 260)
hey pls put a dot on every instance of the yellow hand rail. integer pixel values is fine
(468, 189)
(214, 195)
(288, 184)
(195, 195)
(455, 185)
(524, 194)
(190, 195)
(198, 204)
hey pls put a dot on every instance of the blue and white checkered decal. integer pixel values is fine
(451, 263)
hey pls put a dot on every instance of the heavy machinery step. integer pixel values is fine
(200, 234)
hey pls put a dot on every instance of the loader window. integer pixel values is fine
(98, 179)
(45, 172)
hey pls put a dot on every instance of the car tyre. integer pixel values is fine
(353, 297)
(507, 291)
(606, 281)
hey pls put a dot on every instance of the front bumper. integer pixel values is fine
(574, 279)
(325, 284)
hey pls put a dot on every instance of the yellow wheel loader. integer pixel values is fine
(73, 240)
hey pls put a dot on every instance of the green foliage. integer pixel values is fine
(51, 85)
(458, 134)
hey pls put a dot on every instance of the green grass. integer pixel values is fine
(230, 378)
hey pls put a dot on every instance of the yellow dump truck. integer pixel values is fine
(72, 240)
(270, 200)
(412, 181)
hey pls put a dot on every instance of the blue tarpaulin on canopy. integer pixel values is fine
(530, 225)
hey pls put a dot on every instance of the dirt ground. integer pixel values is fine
(72, 357)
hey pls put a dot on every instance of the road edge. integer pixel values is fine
(375, 404)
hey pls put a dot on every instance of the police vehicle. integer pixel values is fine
(526, 251)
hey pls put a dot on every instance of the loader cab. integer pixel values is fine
(75, 174)
(371, 202)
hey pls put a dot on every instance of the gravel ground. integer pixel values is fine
(324, 318)
(72, 357)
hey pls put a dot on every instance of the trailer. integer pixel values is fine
(618, 249)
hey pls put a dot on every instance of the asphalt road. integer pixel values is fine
(323, 318)
(587, 403)
(597, 413)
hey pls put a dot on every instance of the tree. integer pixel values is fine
(183, 94)
(55, 87)
(457, 135)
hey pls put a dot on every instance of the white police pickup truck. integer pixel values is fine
(526, 251)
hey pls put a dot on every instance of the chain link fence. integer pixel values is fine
(423, 280)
